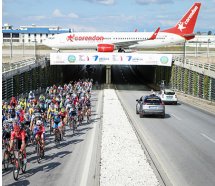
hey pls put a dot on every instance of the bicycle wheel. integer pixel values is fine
(57, 136)
(88, 118)
(6, 159)
(73, 126)
(70, 124)
(50, 128)
(16, 169)
(38, 152)
(80, 119)
(22, 165)
(42, 152)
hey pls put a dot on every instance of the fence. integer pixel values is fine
(30, 75)
(194, 78)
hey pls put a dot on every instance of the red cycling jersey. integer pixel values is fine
(20, 135)
(39, 129)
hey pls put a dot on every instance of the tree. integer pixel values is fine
(209, 33)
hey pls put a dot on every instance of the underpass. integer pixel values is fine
(155, 135)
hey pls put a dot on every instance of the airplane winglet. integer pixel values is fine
(154, 35)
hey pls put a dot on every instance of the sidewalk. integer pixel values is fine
(199, 103)
(123, 162)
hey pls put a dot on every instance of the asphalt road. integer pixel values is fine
(182, 144)
(74, 162)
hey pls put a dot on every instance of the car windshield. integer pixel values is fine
(169, 93)
(152, 101)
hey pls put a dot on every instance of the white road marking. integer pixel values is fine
(210, 139)
(176, 117)
(89, 153)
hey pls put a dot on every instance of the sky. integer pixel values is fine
(106, 15)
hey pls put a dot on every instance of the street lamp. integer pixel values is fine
(208, 48)
(23, 46)
(35, 54)
(184, 52)
(11, 47)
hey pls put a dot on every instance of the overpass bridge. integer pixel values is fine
(191, 77)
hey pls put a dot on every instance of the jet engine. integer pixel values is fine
(105, 48)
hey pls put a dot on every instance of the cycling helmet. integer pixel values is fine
(39, 122)
(19, 107)
(10, 120)
(16, 128)
(5, 124)
(62, 110)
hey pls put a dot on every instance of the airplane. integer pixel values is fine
(110, 41)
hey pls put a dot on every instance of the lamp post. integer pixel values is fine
(11, 47)
(184, 52)
(23, 46)
(35, 54)
(208, 48)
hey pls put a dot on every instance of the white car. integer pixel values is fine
(168, 96)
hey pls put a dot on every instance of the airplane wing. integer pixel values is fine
(129, 43)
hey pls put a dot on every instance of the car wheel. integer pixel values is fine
(176, 103)
(163, 115)
(141, 116)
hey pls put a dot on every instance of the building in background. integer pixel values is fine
(28, 35)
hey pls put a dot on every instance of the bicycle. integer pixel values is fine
(18, 162)
(80, 117)
(57, 136)
(39, 149)
(73, 123)
(7, 157)
(88, 115)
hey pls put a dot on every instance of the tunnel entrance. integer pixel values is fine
(115, 74)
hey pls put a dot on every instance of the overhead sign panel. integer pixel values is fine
(110, 59)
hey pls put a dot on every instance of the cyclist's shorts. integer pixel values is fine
(40, 134)
(56, 125)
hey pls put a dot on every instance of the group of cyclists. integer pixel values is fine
(26, 119)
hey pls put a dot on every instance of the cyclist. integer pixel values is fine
(57, 123)
(73, 114)
(20, 135)
(13, 102)
(42, 103)
(31, 96)
(6, 131)
(50, 113)
(88, 106)
(22, 103)
(39, 132)
(20, 114)
(63, 116)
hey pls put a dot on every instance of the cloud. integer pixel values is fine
(82, 28)
(36, 18)
(57, 13)
(73, 15)
(146, 2)
(105, 2)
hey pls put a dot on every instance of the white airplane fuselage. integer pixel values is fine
(90, 40)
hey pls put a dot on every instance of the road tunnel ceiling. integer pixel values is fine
(120, 74)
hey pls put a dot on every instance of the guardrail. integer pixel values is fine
(194, 78)
(202, 68)
(8, 67)
(17, 65)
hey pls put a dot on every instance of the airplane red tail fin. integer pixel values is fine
(186, 25)
(154, 35)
